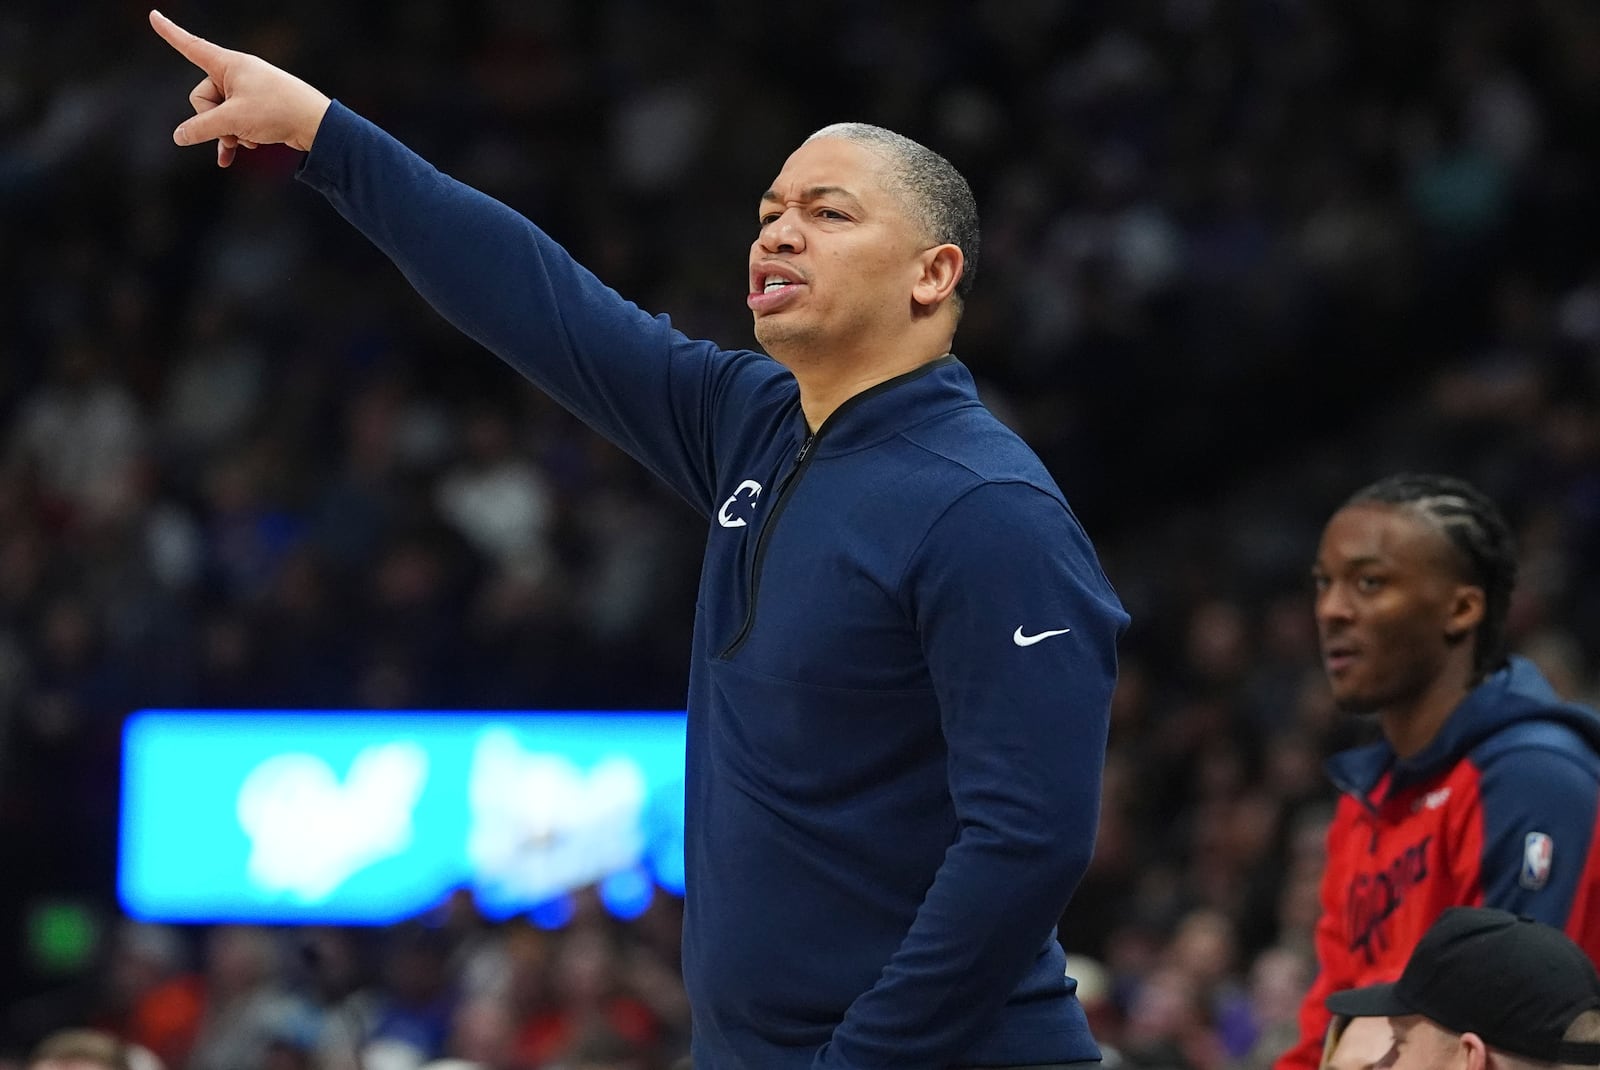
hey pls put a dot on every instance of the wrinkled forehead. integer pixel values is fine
(834, 164)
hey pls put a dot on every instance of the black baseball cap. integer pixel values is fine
(1515, 982)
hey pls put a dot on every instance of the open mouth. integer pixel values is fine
(770, 290)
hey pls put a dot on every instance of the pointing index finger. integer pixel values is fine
(197, 50)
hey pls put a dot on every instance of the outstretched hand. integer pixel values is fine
(243, 101)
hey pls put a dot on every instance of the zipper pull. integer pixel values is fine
(805, 448)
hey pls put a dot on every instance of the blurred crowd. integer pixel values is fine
(443, 991)
(1240, 257)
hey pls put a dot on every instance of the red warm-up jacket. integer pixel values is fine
(1499, 810)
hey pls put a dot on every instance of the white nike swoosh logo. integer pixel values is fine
(1028, 640)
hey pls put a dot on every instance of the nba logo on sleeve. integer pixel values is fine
(1537, 851)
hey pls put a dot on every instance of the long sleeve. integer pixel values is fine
(1019, 629)
(508, 285)
(1538, 810)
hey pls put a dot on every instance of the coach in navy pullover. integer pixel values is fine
(904, 647)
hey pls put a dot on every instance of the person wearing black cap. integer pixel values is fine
(1487, 986)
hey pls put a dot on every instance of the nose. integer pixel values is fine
(783, 234)
(1333, 606)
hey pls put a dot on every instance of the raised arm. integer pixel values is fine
(497, 277)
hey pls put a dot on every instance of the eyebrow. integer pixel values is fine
(816, 193)
(1354, 562)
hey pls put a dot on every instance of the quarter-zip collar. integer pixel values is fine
(880, 412)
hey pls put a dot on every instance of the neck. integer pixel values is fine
(1411, 726)
(825, 385)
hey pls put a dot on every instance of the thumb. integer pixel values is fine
(209, 125)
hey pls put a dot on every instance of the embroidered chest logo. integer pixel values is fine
(1374, 898)
(1431, 801)
(1538, 851)
(740, 506)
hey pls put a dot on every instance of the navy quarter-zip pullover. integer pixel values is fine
(904, 652)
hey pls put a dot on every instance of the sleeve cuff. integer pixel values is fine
(324, 167)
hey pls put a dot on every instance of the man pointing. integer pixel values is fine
(904, 647)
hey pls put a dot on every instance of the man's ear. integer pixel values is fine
(1471, 1045)
(942, 266)
(1467, 608)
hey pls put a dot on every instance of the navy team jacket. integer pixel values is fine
(904, 653)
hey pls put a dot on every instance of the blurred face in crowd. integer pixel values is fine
(839, 267)
(1394, 615)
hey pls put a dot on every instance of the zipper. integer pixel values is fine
(801, 461)
(789, 481)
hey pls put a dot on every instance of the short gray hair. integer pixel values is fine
(939, 199)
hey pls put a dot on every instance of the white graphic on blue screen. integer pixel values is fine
(309, 832)
(350, 817)
(541, 824)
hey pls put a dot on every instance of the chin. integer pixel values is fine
(783, 342)
(1350, 700)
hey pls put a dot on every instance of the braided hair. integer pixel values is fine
(1481, 538)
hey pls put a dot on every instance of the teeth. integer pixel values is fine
(773, 284)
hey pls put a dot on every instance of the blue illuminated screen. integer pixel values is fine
(373, 817)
